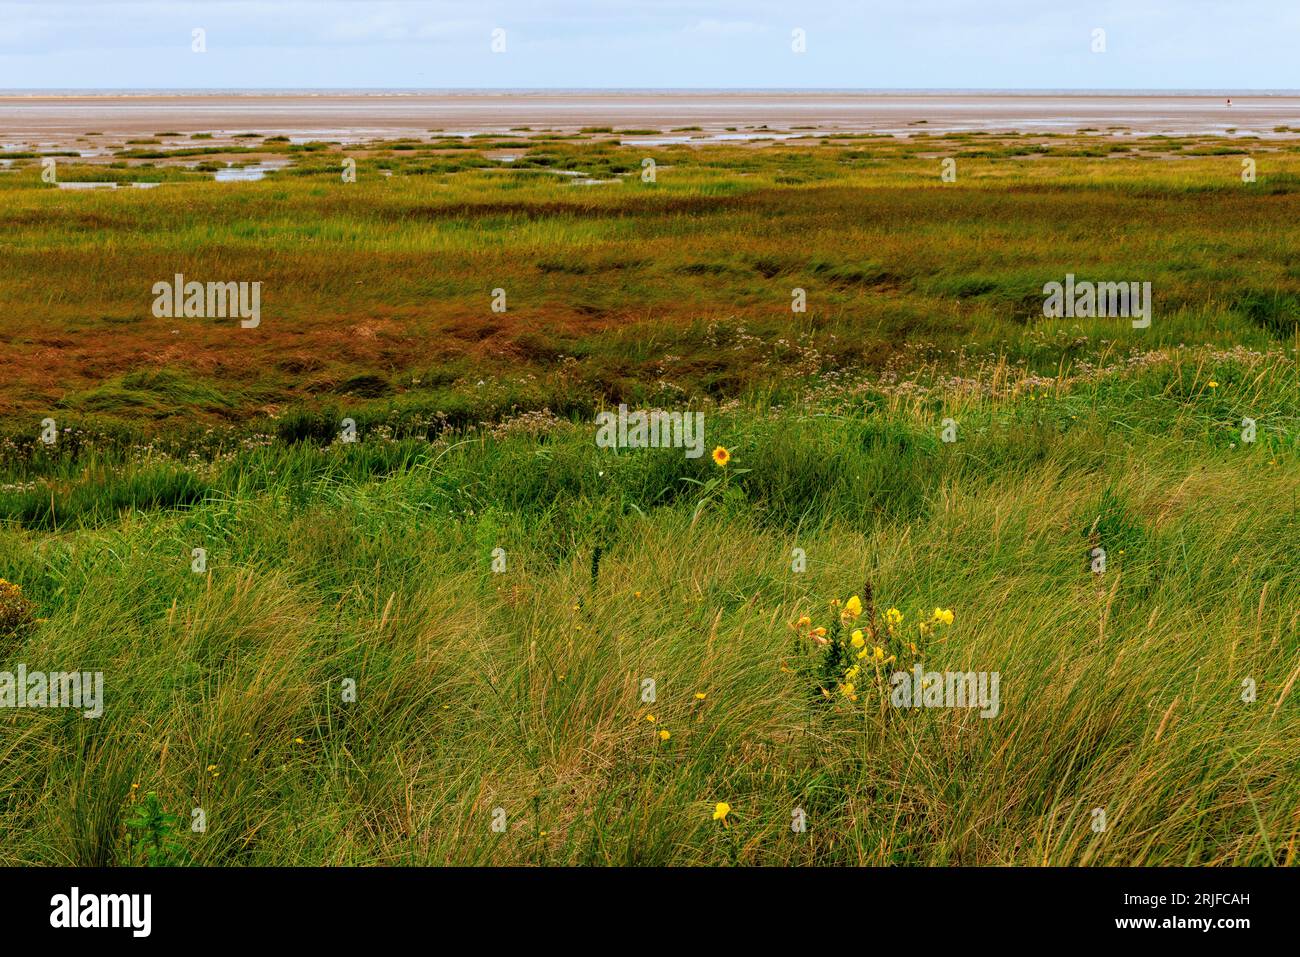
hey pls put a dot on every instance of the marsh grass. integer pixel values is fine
(888, 254)
(521, 690)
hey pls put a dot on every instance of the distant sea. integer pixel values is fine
(662, 91)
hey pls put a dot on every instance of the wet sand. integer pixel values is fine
(360, 115)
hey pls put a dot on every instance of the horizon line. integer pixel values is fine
(878, 91)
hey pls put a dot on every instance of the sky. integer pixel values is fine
(626, 44)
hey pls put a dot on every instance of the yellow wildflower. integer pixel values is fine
(853, 607)
(856, 641)
(665, 735)
(721, 810)
(721, 456)
(17, 613)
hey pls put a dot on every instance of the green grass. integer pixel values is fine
(521, 689)
(392, 276)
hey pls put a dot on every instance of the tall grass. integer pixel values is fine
(521, 690)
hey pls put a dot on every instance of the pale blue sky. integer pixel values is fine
(909, 44)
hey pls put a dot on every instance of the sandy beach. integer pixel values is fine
(362, 115)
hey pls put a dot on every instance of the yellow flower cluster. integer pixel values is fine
(16, 611)
(942, 616)
(869, 644)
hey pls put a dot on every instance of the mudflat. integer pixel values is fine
(369, 114)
